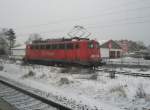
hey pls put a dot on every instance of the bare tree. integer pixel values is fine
(11, 38)
(141, 45)
(6, 40)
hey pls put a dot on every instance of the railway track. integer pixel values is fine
(134, 74)
(24, 100)
(127, 65)
(124, 73)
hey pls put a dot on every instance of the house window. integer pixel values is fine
(118, 54)
(112, 54)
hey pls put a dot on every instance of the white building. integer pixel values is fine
(104, 53)
(110, 49)
(18, 52)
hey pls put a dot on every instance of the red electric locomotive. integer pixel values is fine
(73, 51)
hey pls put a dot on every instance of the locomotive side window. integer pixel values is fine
(48, 46)
(42, 46)
(57, 46)
(39, 47)
(33, 46)
(69, 46)
(90, 45)
(61, 46)
(36, 46)
(54, 46)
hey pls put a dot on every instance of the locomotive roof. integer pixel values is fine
(59, 40)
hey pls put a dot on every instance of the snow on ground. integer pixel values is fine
(97, 89)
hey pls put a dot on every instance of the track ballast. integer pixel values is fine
(22, 99)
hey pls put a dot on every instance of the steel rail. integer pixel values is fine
(40, 98)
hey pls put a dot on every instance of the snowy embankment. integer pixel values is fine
(97, 89)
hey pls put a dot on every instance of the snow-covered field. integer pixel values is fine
(85, 87)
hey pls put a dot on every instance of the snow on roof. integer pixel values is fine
(111, 43)
(102, 41)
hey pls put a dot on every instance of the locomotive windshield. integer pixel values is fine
(93, 45)
(90, 45)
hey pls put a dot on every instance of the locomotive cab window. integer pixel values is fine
(77, 46)
(90, 45)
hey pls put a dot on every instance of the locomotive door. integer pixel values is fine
(77, 53)
(69, 52)
(72, 52)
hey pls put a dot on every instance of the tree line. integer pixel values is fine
(7, 41)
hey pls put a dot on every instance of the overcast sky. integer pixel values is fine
(105, 19)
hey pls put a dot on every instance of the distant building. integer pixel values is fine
(129, 46)
(111, 49)
(141, 54)
(18, 52)
(124, 45)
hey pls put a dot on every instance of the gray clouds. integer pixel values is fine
(105, 19)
